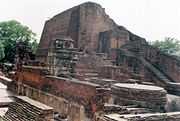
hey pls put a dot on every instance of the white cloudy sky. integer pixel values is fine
(151, 19)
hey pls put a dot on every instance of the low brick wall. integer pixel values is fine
(71, 110)
(84, 93)
(74, 99)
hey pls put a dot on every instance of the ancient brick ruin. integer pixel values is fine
(88, 68)
(94, 32)
(27, 109)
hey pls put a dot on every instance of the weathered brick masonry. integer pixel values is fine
(102, 50)
(94, 31)
(82, 23)
(88, 97)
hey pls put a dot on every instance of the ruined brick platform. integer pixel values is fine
(143, 95)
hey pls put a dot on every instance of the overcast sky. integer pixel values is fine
(151, 19)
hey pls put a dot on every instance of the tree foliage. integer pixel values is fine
(168, 45)
(12, 32)
(2, 55)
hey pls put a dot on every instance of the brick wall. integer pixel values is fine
(90, 95)
(56, 26)
(170, 65)
(82, 23)
(112, 39)
(69, 109)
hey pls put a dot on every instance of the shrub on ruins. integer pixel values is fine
(168, 45)
(12, 32)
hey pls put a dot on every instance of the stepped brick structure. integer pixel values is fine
(26, 109)
(94, 32)
(82, 23)
(85, 61)
(128, 94)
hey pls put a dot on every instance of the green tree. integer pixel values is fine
(168, 45)
(2, 55)
(12, 32)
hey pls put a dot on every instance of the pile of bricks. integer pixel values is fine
(142, 95)
(26, 109)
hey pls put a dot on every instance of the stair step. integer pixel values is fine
(155, 70)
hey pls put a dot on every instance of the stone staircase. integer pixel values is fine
(170, 85)
(26, 109)
(150, 67)
(155, 71)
